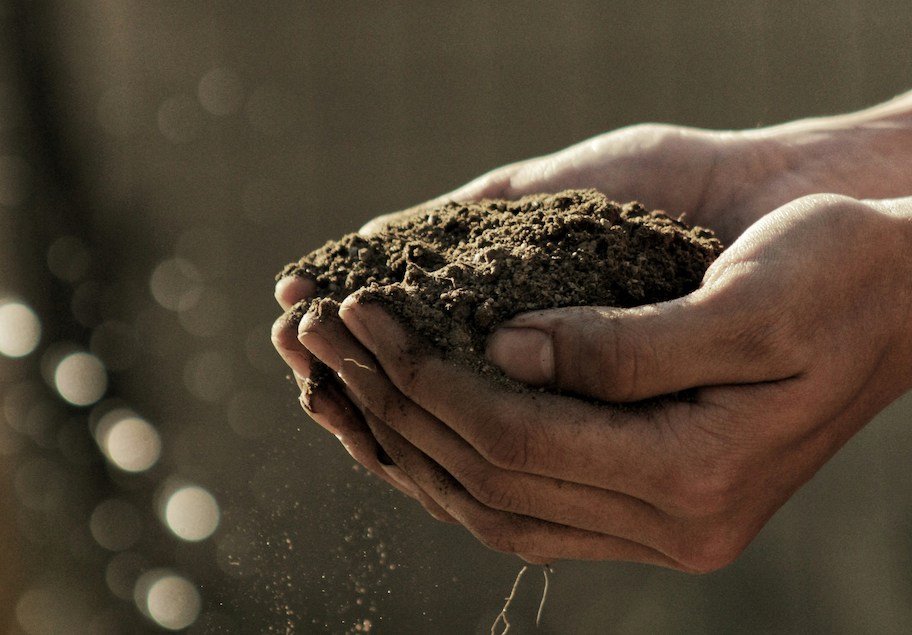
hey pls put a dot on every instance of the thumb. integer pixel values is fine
(623, 355)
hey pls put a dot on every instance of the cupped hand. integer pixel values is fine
(798, 336)
(723, 180)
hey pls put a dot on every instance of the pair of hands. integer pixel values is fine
(797, 337)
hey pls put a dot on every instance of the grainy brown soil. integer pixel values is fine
(453, 274)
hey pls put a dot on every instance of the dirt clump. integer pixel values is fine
(453, 273)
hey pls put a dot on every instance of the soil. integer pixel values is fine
(452, 274)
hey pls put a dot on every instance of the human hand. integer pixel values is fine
(723, 180)
(798, 336)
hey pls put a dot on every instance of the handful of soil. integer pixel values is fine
(452, 274)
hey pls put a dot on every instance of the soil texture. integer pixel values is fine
(452, 274)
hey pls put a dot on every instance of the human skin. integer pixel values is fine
(797, 337)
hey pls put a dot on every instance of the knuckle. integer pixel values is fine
(776, 341)
(504, 446)
(710, 551)
(622, 354)
(498, 534)
(708, 503)
(624, 358)
(711, 492)
(496, 492)
(715, 544)
(628, 364)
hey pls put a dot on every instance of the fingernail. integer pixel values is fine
(349, 314)
(523, 353)
(321, 349)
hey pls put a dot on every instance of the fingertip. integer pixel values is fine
(292, 288)
(525, 354)
(286, 343)
(321, 348)
(352, 313)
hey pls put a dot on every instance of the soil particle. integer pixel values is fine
(452, 274)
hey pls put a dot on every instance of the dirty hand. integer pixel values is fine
(799, 336)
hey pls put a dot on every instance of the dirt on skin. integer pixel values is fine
(452, 274)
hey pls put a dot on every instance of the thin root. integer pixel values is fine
(359, 364)
(502, 617)
(541, 605)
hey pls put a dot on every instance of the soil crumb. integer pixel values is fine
(452, 274)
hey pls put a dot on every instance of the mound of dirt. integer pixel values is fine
(452, 274)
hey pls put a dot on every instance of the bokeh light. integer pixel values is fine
(52, 608)
(115, 524)
(169, 599)
(128, 441)
(220, 91)
(192, 513)
(68, 258)
(209, 314)
(176, 284)
(20, 329)
(208, 375)
(122, 572)
(80, 378)
(84, 303)
(207, 248)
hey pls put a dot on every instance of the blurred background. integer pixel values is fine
(161, 160)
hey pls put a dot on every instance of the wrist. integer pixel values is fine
(899, 266)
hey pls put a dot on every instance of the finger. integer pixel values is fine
(567, 503)
(328, 405)
(515, 492)
(710, 337)
(397, 473)
(285, 341)
(531, 432)
(291, 289)
(546, 498)
(507, 532)
(346, 419)
(332, 410)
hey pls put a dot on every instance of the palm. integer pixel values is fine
(720, 180)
